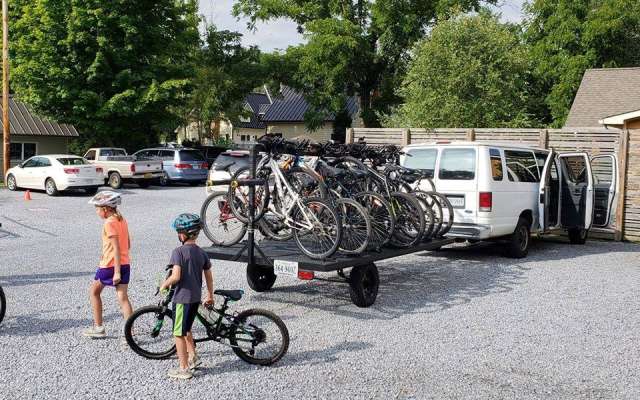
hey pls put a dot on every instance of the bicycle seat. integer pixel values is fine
(234, 295)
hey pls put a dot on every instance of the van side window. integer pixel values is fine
(422, 159)
(496, 164)
(521, 166)
(458, 164)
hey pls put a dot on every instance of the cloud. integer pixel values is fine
(282, 33)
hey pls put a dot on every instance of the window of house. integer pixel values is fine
(522, 166)
(496, 164)
(458, 164)
(21, 151)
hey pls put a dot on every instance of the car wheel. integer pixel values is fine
(518, 242)
(11, 183)
(50, 187)
(164, 179)
(115, 180)
(578, 236)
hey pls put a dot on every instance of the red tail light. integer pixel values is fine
(183, 166)
(99, 170)
(205, 166)
(133, 168)
(485, 201)
(305, 275)
(72, 170)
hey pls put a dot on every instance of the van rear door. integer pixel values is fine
(576, 191)
(457, 179)
(545, 193)
(605, 178)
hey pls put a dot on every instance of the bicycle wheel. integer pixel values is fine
(262, 193)
(447, 213)
(149, 332)
(356, 226)
(3, 304)
(317, 228)
(273, 227)
(381, 216)
(429, 216)
(306, 183)
(259, 337)
(436, 210)
(220, 224)
(349, 162)
(410, 223)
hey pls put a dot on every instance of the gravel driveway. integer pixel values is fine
(460, 323)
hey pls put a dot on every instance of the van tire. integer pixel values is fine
(518, 242)
(578, 236)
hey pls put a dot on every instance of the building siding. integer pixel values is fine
(44, 145)
(290, 131)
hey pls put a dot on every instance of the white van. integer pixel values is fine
(496, 193)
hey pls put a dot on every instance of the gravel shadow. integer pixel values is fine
(36, 279)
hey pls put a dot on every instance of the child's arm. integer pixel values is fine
(116, 259)
(208, 277)
(174, 278)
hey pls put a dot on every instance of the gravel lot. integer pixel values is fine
(461, 323)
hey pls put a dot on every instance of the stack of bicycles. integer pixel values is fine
(330, 198)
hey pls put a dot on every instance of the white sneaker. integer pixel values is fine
(194, 362)
(180, 373)
(95, 332)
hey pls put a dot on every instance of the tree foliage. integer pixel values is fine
(470, 71)
(114, 69)
(569, 36)
(353, 46)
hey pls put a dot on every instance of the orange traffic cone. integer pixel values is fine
(27, 195)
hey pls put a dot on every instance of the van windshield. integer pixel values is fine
(422, 159)
(458, 164)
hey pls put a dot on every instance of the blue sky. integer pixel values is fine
(282, 33)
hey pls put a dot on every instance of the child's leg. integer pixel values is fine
(181, 347)
(191, 345)
(123, 299)
(96, 302)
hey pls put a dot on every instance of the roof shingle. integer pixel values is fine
(23, 122)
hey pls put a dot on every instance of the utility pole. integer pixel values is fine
(5, 85)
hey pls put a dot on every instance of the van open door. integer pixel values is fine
(545, 195)
(576, 195)
(605, 185)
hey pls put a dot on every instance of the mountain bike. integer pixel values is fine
(255, 335)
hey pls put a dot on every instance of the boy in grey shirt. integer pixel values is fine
(189, 263)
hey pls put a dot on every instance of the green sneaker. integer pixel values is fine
(180, 373)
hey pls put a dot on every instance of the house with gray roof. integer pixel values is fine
(32, 135)
(607, 97)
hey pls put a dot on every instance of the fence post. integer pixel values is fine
(471, 135)
(544, 138)
(406, 136)
(349, 138)
(623, 155)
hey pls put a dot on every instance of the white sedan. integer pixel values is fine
(55, 173)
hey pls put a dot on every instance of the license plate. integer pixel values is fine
(148, 175)
(281, 267)
(456, 201)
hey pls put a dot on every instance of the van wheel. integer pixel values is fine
(115, 180)
(578, 236)
(518, 243)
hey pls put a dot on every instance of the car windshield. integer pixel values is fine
(191, 155)
(72, 161)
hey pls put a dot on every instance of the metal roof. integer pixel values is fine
(256, 102)
(604, 92)
(24, 122)
(291, 106)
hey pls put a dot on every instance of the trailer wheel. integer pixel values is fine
(363, 285)
(260, 278)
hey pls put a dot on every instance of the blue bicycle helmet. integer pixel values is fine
(187, 223)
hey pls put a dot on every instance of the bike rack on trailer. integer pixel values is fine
(286, 259)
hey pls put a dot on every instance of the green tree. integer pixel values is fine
(569, 36)
(353, 46)
(470, 71)
(226, 72)
(114, 69)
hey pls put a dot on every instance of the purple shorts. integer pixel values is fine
(105, 275)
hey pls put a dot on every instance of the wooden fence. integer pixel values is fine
(624, 143)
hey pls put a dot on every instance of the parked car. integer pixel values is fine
(210, 153)
(54, 174)
(179, 164)
(225, 165)
(118, 167)
(507, 192)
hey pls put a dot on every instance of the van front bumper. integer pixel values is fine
(469, 231)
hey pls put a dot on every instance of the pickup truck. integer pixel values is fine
(119, 167)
